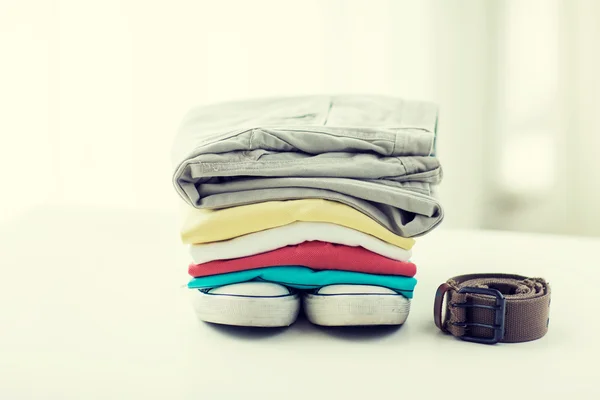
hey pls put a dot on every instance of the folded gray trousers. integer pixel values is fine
(373, 153)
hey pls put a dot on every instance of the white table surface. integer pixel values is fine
(92, 308)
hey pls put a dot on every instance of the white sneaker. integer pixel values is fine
(351, 305)
(259, 304)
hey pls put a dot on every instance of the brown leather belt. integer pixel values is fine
(492, 308)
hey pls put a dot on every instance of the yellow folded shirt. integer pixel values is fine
(203, 226)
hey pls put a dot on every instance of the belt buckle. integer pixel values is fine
(499, 315)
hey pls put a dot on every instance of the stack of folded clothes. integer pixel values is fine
(314, 199)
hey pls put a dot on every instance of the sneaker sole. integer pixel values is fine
(239, 310)
(356, 309)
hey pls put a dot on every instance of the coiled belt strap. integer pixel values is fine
(491, 308)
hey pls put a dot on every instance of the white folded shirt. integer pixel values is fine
(292, 234)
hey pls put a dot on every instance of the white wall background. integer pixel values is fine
(543, 161)
(92, 91)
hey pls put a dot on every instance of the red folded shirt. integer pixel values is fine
(315, 255)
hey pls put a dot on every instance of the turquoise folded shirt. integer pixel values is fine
(306, 278)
